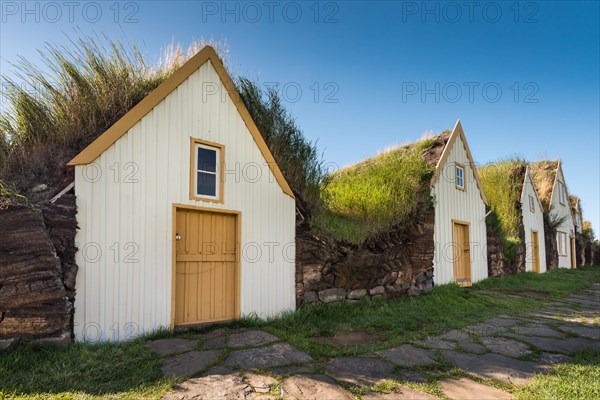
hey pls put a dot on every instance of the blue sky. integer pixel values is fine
(524, 78)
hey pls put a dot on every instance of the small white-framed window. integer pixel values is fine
(531, 204)
(562, 198)
(460, 176)
(206, 171)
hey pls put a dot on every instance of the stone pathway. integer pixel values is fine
(251, 364)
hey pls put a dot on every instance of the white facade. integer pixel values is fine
(533, 221)
(452, 204)
(562, 209)
(125, 204)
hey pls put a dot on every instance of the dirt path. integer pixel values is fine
(250, 364)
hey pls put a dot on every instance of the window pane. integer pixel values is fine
(206, 184)
(207, 159)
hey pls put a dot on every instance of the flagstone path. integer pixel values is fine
(251, 364)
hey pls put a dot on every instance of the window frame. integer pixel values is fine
(562, 193)
(220, 161)
(464, 179)
(531, 204)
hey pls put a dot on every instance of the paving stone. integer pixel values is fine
(251, 338)
(211, 334)
(411, 376)
(553, 358)
(456, 335)
(473, 347)
(360, 371)
(507, 347)
(407, 355)
(187, 364)
(502, 321)
(563, 345)
(533, 329)
(260, 383)
(495, 366)
(467, 389)
(312, 387)
(275, 355)
(436, 343)
(215, 343)
(401, 393)
(171, 345)
(485, 329)
(216, 385)
(293, 369)
(590, 332)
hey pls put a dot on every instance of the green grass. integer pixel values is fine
(502, 183)
(577, 379)
(376, 194)
(129, 370)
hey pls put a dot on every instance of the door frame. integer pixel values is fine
(533, 253)
(238, 234)
(468, 225)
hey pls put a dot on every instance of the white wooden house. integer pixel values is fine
(184, 216)
(550, 184)
(460, 211)
(533, 224)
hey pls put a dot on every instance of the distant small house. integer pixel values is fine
(184, 216)
(460, 211)
(513, 198)
(551, 186)
(400, 186)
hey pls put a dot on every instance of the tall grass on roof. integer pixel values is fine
(299, 159)
(543, 174)
(81, 89)
(377, 194)
(502, 183)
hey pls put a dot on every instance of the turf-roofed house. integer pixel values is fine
(517, 215)
(551, 186)
(171, 232)
(406, 210)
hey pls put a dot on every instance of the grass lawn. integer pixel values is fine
(129, 370)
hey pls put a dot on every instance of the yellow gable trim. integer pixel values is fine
(110, 136)
(458, 132)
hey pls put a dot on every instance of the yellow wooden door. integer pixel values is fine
(573, 263)
(535, 251)
(462, 254)
(206, 267)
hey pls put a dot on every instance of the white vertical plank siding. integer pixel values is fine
(532, 221)
(121, 213)
(466, 206)
(564, 211)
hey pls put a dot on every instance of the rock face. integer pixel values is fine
(551, 245)
(37, 280)
(495, 254)
(398, 263)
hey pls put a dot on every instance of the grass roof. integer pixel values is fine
(502, 183)
(543, 174)
(389, 190)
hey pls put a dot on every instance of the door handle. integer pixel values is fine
(177, 236)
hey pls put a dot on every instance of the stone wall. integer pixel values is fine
(397, 264)
(495, 254)
(551, 245)
(579, 250)
(36, 286)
